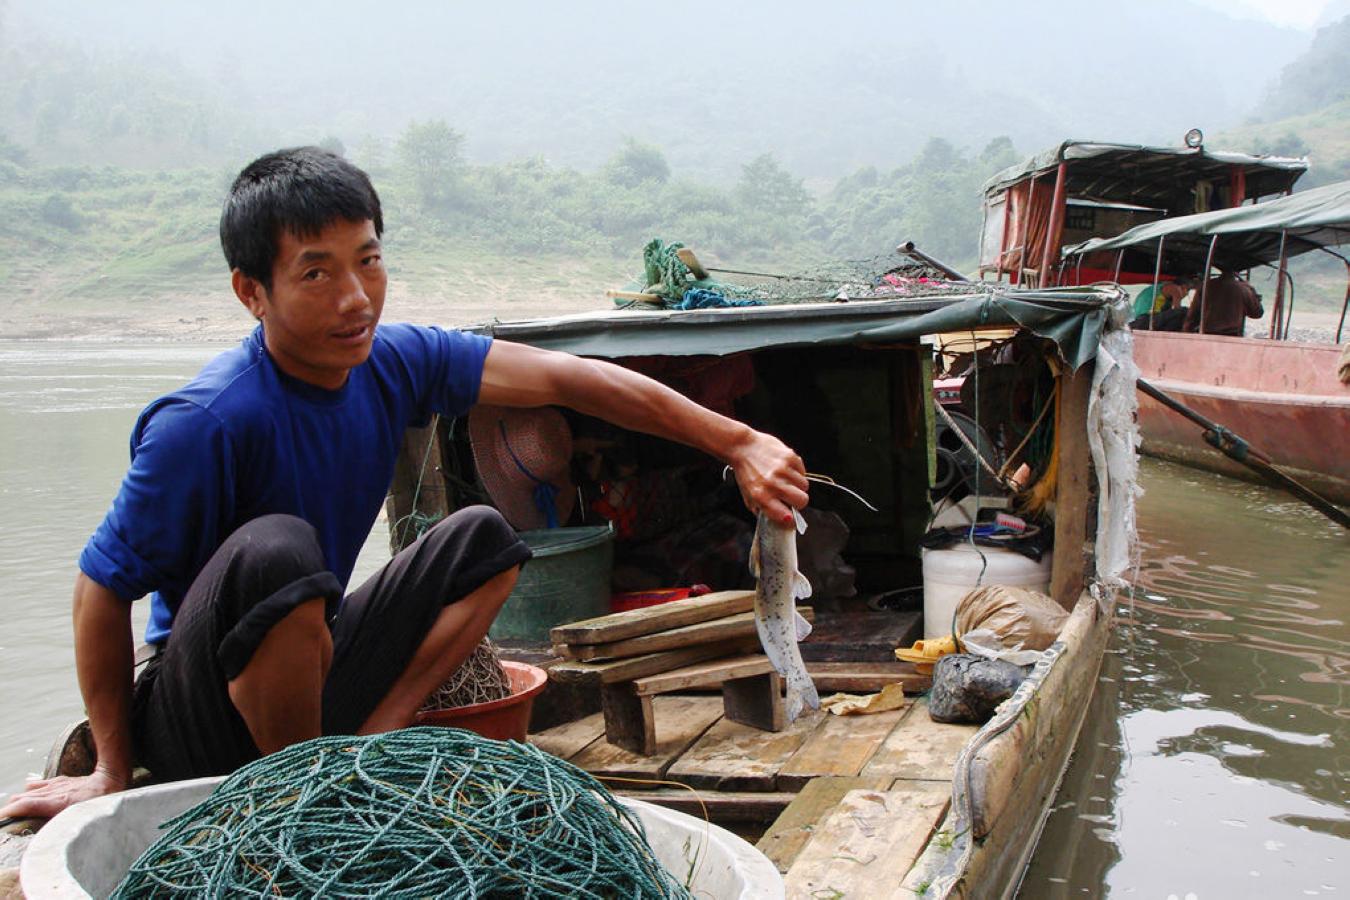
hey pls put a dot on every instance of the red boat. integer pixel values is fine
(1087, 212)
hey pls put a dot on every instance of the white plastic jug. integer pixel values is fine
(948, 575)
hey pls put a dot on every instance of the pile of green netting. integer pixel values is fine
(414, 813)
(892, 276)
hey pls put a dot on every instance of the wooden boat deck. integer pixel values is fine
(849, 801)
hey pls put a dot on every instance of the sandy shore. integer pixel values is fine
(220, 317)
(208, 317)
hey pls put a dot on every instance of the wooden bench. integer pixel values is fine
(752, 694)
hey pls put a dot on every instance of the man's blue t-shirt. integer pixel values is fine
(243, 440)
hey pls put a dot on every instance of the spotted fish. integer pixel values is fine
(773, 561)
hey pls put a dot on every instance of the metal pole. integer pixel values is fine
(1120, 258)
(1054, 229)
(1026, 229)
(1204, 285)
(1289, 317)
(1003, 241)
(1277, 313)
(1344, 305)
(1157, 273)
(909, 249)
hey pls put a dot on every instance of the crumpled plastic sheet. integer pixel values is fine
(984, 642)
(1113, 437)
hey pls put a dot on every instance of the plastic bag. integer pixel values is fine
(1022, 619)
(985, 643)
(967, 689)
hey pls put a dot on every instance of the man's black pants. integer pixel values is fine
(183, 722)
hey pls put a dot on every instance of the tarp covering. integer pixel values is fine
(1249, 235)
(1073, 319)
(1157, 177)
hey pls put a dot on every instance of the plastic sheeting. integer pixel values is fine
(1113, 437)
(1073, 319)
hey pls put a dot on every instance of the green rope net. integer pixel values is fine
(889, 277)
(414, 813)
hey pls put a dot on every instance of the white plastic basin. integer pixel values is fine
(87, 849)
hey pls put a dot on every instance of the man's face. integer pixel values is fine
(327, 294)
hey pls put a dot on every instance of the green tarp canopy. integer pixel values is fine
(1249, 236)
(1073, 319)
(1157, 177)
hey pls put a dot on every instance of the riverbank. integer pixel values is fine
(447, 289)
(468, 297)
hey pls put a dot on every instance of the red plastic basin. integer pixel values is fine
(507, 719)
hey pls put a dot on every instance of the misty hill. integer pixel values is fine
(826, 88)
(1306, 111)
(1318, 78)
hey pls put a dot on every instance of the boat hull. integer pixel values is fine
(1007, 776)
(1283, 397)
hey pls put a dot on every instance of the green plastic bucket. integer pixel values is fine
(567, 580)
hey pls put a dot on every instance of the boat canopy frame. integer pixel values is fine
(1267, 234)
(1149, 176)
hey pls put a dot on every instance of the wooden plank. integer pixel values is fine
(634, 622)
(739, 625)
(629, 719)
(842, 745)
(704, 675)
(1072, 490)
(736, 757)
(680, 721)
(919, 747)
(789, 833)
(651, 664)
(867, 677)
(866, 846)
(756, 701)
(570, 738)
(718, 806)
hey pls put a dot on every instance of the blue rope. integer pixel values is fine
(545, 494)
(702, 298)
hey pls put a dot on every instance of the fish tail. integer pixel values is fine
(794, 703)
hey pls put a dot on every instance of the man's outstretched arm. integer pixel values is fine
(103, 661)
(770, 476)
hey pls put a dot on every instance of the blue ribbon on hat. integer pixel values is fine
(545, 494)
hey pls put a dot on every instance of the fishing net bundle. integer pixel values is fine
(479, 679)
(413, 813)
(888, 277)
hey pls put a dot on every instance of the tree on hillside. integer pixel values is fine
(997, 155)
(1316, 79)
(12, 152)
(765, 186)
(333, 144)
(636, 163)
(431, 155)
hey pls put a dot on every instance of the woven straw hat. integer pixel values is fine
(523, 458)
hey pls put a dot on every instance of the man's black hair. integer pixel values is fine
(301, 191)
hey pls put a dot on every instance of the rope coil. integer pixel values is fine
(412, 813)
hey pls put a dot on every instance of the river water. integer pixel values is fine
(1213, 762)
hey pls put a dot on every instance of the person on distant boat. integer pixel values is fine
(1223, 304)
(252, 489)
(1161, 310)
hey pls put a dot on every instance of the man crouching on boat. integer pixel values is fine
(252, 489)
